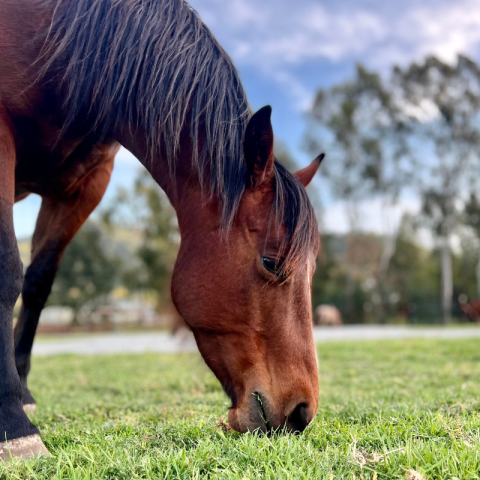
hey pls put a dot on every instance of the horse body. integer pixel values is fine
(47, 163)
(248, 234)
(69, 173)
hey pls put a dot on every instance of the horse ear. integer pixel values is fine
(258, 147)
(306, 174)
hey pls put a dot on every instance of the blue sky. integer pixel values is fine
(286, 49)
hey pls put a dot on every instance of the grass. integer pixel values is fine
(391, 409)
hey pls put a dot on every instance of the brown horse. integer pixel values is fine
(80, 78)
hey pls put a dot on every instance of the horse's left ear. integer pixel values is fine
(306, 174)
(258, 147)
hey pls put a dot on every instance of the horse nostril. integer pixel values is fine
(298, 419)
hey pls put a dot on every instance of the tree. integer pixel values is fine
(147, 210)
(439, 105)
(357, 119)
(413, 275)
(471, 215)
(87, 272)
(417, 130)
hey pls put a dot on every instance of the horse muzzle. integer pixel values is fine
(260, 413)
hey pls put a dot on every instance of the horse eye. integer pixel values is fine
(272, 266)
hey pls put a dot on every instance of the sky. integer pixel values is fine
(285, 50)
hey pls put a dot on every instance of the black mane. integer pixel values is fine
(155, 64)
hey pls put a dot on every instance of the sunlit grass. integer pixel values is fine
(386, 408)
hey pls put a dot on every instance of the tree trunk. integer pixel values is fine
(447, 279)
(349, 296)
(478, 275)
(352, 215)
(388, 251)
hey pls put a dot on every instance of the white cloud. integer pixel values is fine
(280, 32)
(278, 37)
(445, 31)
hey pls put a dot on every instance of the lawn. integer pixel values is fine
(391, 409)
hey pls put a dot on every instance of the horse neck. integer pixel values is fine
(196, 209)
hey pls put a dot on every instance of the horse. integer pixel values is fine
(78, 79)
(327, 315)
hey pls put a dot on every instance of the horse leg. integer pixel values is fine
(58, 221)
(18, 436)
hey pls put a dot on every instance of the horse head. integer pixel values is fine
(246, 294)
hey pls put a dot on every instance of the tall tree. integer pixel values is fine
(439, 106)
(356, 123)
(471, 216)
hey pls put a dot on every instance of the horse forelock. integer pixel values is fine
(154, 64)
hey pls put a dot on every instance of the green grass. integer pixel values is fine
(385, 408)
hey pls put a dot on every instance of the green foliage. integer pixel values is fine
(159, 247)
(472, 213)
(412, 281)
(385, 408)
(464, 267)
(147, 210)
(330, 278)
(87, 272)
(414, 275)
